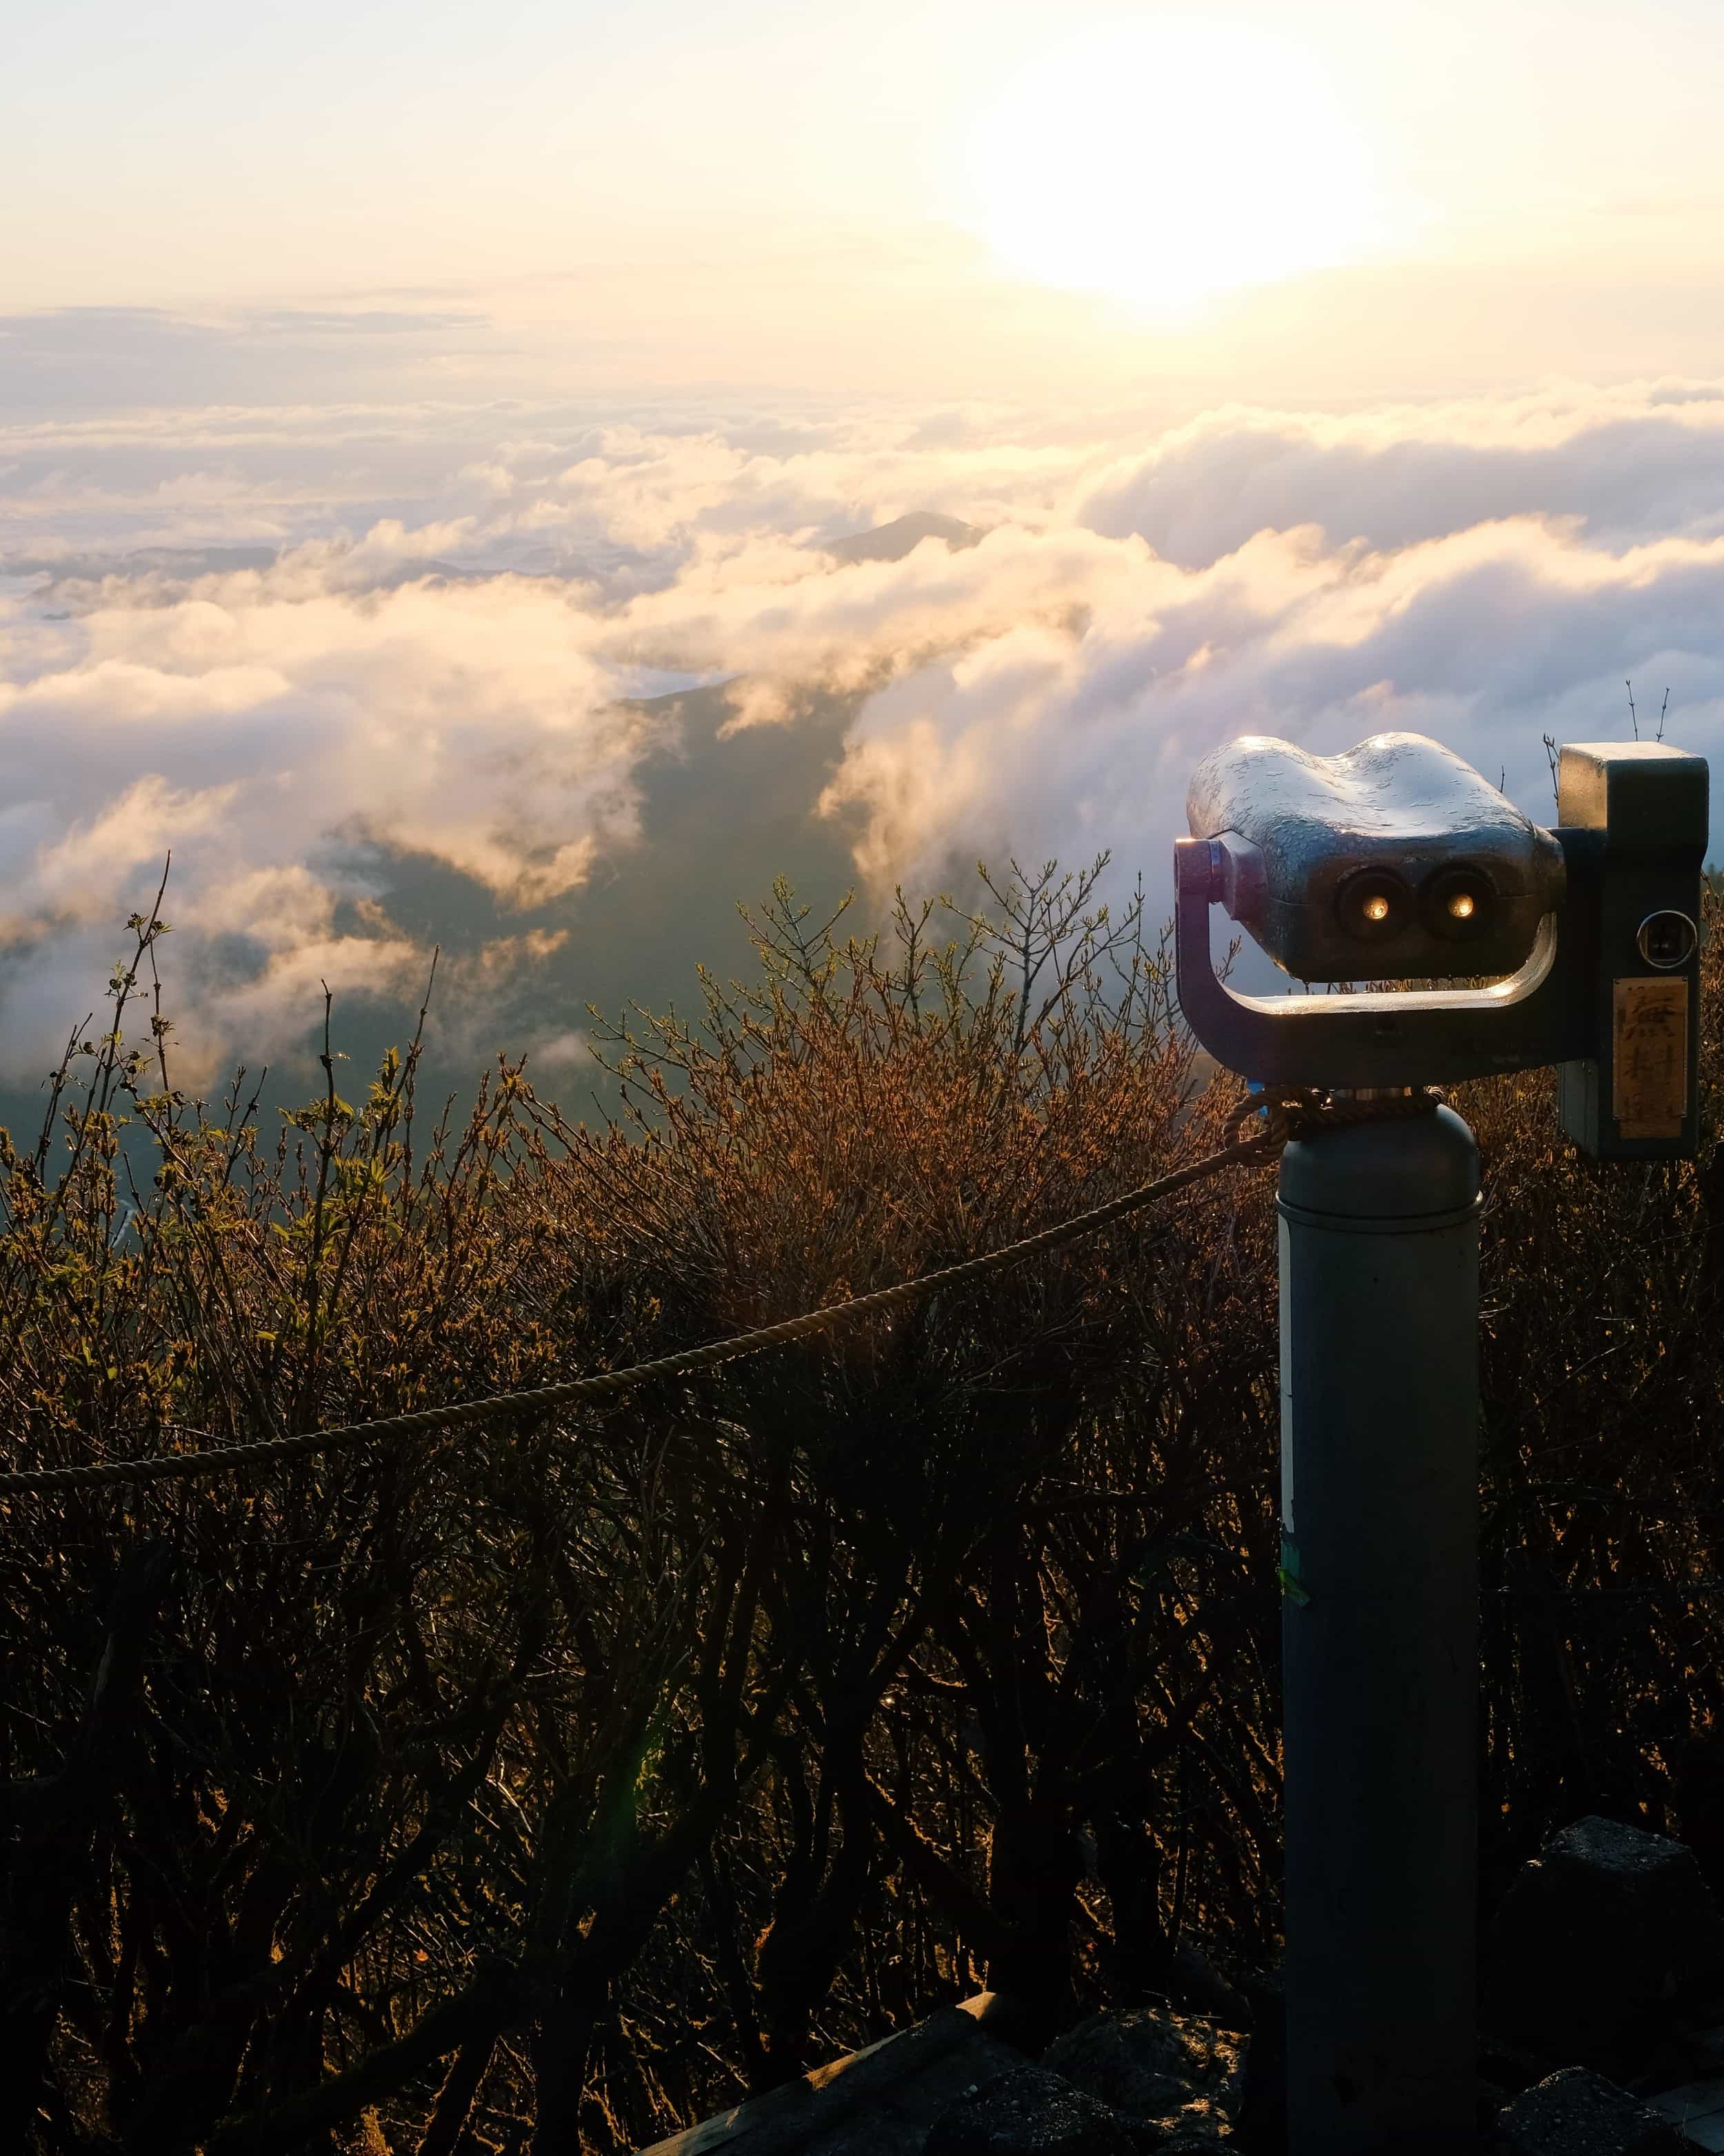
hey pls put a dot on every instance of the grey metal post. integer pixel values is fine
(1395, 862)
(1379, 1495)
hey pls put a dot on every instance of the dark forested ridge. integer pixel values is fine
(548, 1785)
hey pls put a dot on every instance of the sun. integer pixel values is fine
(1166, 161)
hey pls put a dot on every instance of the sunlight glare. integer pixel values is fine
(1165, 162)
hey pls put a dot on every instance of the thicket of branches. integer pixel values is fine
(550, 1784)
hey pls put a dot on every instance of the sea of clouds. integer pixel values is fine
(331, 653)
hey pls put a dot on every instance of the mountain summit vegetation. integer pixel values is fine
(548, 1784)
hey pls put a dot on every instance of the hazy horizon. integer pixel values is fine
(420, 438)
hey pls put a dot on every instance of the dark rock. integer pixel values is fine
(1576, 2114)
(1028, 2113)
(877, 2102)
(1167, 2075)
(1199, 1987)
(1201, 2125)
(1594, 1935)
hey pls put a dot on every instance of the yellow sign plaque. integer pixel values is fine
(1650, 1088)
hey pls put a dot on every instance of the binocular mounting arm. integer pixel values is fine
(1540, 1014)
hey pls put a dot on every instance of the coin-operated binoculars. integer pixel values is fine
(1397, 862)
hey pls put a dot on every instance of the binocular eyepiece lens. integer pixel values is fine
(1373, 904)
(1457, 903)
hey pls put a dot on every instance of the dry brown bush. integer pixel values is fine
(552, 1784)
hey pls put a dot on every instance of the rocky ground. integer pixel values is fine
(1602, 2034)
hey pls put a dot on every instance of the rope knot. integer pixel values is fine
(1301, 1112)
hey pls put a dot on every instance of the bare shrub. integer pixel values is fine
(551, 1783)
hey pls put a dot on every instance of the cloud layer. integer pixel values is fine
(357, 663)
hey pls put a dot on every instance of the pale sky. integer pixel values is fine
(424, 428)
(771, 192)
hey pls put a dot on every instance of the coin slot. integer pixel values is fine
(1667, 940)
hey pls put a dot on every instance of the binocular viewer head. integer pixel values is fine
(1397, 861)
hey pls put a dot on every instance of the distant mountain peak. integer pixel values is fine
(891, 542)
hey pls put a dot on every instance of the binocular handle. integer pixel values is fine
(1402, 1037)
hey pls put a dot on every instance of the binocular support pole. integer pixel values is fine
(1379, 1307)
(1397, 863)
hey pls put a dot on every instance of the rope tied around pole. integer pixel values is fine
(1290, 1112)
(1289, 1115)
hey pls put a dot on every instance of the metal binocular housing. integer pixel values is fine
(1398, 862)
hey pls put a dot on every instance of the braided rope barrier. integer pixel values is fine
(1287, 1115)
